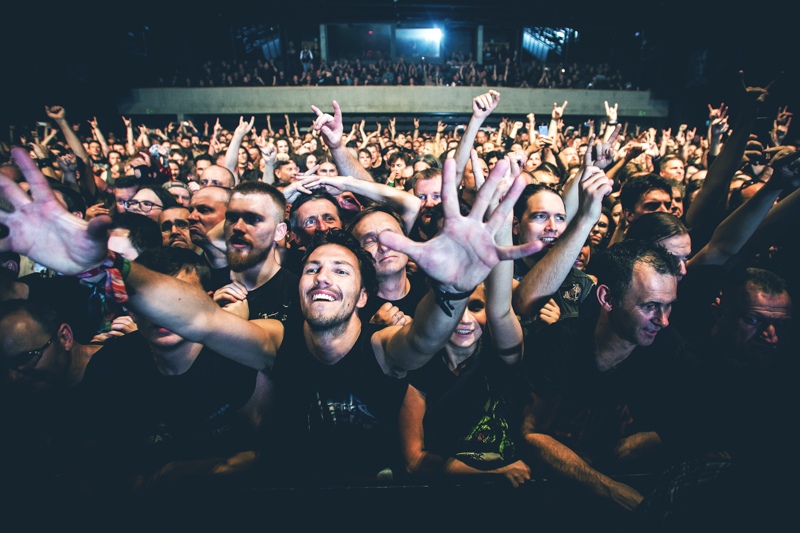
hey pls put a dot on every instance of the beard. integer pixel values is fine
(241, 260)
(333, 322)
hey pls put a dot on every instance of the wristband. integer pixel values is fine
(443, 298)
(116, 269)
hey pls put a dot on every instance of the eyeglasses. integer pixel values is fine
(145, 205)
(166, 226)
(28, 360)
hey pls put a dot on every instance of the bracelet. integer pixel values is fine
(443, 298)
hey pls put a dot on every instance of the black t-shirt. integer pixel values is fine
(407, 304)
(151, 419)
(576, 287)
(336, 420)
(278, 298)
(599, 408)
(473, 416)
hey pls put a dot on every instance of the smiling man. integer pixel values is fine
(590, 368)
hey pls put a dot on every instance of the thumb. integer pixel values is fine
(402, 244)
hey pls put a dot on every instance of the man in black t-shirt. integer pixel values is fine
(586, 370)
(338, 275)
(253, 225)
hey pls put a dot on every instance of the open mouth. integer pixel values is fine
(464, 331)
(549, 240)
(322, 296)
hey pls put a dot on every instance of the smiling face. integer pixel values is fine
(543, 221)
(330, 288)
(473, 321)
(645, 307)
(366, 231)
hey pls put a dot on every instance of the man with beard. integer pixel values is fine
(334, 377)
(174, 224)
(207, 209)
(428, 188)
(253, 225)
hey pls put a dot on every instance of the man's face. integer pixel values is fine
(677, 202)
(29, 373)
(430, 193)
(162, 338)
(417, 147)
(286, 174)
(282, 146)
(681, 247)
(653, 201)
(181, 195)
(400, 139)
(114, 158)
(94, 149)
(544, 220)
(755, 322)
(186, 142)
(122, 196)
(673, 170)
(201, 166)
(398, 166)
(174, 224)
(571, 155)
(373, 152)
(177, 157)
(365, 159)
(599, 230)
(327, 169)
(217, 177)
(533, 162)
(148, 204)
(174, 169)
(645, 307)
(243, 157)
(315, 216)
(387, 261)
(481, 138)
(250, 230)
(330, 288)
(207, 210)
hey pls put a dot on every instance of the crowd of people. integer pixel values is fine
(271, 306)
(498, 70)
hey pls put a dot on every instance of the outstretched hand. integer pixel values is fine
(43, 230)
(464, 252)
(558, 112)
(330, 126)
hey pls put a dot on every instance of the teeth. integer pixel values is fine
(463, 331)
(548, 239)
(320, 296)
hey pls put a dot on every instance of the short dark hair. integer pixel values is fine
(171, 261)
(125, 182)
(763, 280)
(366, 263)
(653, 227)
(399, 155)
(145, 232)
(45, 315)
(530, 190)
(73, 199)
(203, 157)
(316, 195)
(428, 159)
(377, 209)
(614, 267)
(259, 187)
(638, 186)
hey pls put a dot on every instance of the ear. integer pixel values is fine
(66, 337)
(628, 215)
(362, 299)
(515, 226)
(280, 231)
(604, 297)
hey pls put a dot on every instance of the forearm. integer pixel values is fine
(567, 464)
(503, 323)
(549, 273)
(349, 165)
(717, 182)
(130, 146)
(406, 204)
(465, 147)
(232, 155)
(102, 140)
(72, 140)
(615, 169)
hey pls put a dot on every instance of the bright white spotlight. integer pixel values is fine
(433, 34)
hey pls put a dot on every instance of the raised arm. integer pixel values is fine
(130, 146)
(457, 260)
(549, 273)
(59, 115)
(99, 136)
(232, 155)
(719, 176)
(406, 204)
(482, 107)
(43, 230)
(331, 129)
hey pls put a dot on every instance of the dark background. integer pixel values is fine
(87, 55)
